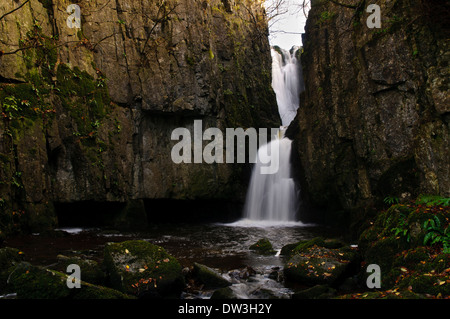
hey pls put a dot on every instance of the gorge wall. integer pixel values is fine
(374, 117)
(88, 113)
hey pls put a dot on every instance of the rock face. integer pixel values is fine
(374, 118)
(88, 112)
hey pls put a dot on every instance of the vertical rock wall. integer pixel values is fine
(88, 113)
(374, 119)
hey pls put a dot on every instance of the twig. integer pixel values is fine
(14, 9)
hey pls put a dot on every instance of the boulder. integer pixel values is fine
(32, 282)
(142, 269)
(290, 249)
(9, 257)
(209, 277)
(316, 292)
(263, 247)
(319, 265)
(91, 271)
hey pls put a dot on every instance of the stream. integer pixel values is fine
(223, 247)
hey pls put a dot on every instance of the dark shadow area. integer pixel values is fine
(187, 211)
(115, 214)
(87, 213)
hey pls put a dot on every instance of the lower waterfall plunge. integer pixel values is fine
(273, 198)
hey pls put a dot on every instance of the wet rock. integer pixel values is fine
(224, 293)
(31, 282)
(275, 275)
(140, 268)
(263, 247)
(209, 277)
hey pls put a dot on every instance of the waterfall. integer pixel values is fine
(273, 197)
(287, 82)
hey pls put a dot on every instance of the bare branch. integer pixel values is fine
(14, 9)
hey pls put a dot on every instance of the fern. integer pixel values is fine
(390, 200)
(433, 200)
(436, 234)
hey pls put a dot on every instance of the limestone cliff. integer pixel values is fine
(88, 112)
(374, 118)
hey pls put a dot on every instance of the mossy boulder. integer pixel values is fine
(91, 271)
(209, 277)
(142, 269)
(9, 257)
(421, 270)
(316, 265)
(290, 249)
(315, 292)
(263, 247)
(31, 282)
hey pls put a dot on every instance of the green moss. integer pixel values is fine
(30, 282)
(263, 247)
(428, 284)
(316, 292)
(8, 258)
(37, 283)
(209, 277)
(139, 267)
(395, 242)
(90, 269)
(318, 265)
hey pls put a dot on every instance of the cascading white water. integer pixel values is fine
(273, 197)
(287, 83)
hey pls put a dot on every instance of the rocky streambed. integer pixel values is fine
(237, 261)
(167, 261)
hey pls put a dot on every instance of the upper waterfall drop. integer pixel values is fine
(272, 198)
(287, 82)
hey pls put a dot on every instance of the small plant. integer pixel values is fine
(390, 200)
(436, 234)
(11, 107)
(433, 200)
(402, 229)
(228, 92)
(326, 16)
